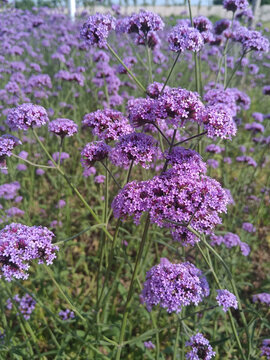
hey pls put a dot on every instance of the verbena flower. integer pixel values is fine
(26, 116)
(218, 122)
(173, 286)
(184, 38)
(149, 345)
(95, 30)
(200, 348)
(251, 39)
(7, 144)
(233, 5)
(230, 240)
(247, 159)
(263, 298)
(226, 299)
(179, 106)
(178, 196)
(141, 23)
(137, 147)
(66, 314)
(63, 127)
(92, 152)
(26, 305)
(107, 124)
(8, 191)
(266, 90)
(248, 227)
(20, 244)
(265, 348)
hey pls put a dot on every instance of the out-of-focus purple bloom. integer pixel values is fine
(61, 204)
(233, 5)
(213, 163)
(9, 191)
(55, 224)
(173, 286)
(255, 127)
(227, 160)
(200, 348)
(26, 305)
(14, 212)
(63, 127)
(25, 116)
(247, 159)
(265, 348)
(89, 171)
(226, 299)
(263, 298)
(40, 172)
(66, 314)
(21, 167)
(7, 144)
(20, 244)
(266, 90)
(99, 179)
(258, 116)
(149, 345)
(213, 148)
(248, 227)
(230, 240)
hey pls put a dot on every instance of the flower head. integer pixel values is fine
(92, 152)
(184, 38)
(26, 116)
(200, 348)
(96, 29)
(63, 127)
(173, 286)
(137, 147)
(19, 245)
(108, 124)
(226, 299)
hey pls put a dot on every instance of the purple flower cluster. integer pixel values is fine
(141, 23)
(63, 127)
(263, 298)
(107, 124)
(226, 299)
(233, 5)
(248, 227)
(181, 194)
(26, 305)
(173, 286)
(66, 314)
(200, 348)
(149, 345)
(218, 122)
(184, 38)
(7, 144)
(25, 116)
(20, 244)
(136, 147)
(96, 30)
(8, 191)
(265, 349)
(247, 159)
(230, 240)
(92, 152)
(251, 39)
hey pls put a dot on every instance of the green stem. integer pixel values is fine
(108, 171)
(50, 273)
(148, 50)
(130, 291)
(33, 164)
(127, 69)
(235, 69)
(175, 349)
(154, 321)
(170, 73)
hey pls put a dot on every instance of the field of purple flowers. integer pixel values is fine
(134, 186)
